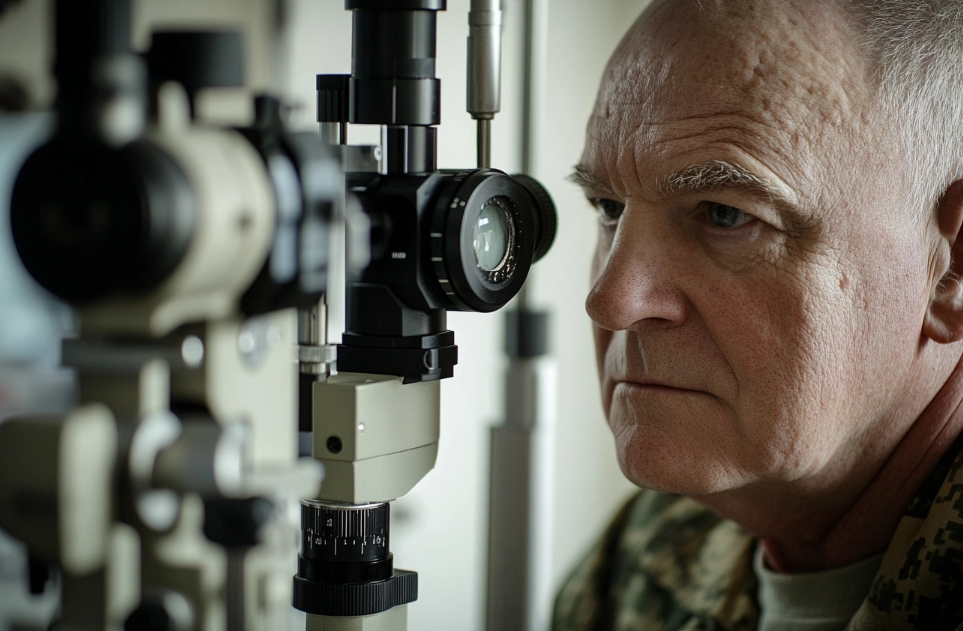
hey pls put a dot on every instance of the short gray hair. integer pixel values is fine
(917, 47)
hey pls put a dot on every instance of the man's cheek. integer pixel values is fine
(603, 346)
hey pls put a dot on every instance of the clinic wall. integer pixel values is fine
(440, 529)
(590, 487)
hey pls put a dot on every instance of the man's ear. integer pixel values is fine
(944, 317)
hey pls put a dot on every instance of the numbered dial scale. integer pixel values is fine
(345, 566)
(341, 533)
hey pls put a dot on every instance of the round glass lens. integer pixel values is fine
(492, 237)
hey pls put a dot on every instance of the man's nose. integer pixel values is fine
(638, 284)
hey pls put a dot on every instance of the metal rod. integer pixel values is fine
(535, 71)
(484, 71)
(331, 134)
(484, 58)
(308, 329)
(484, 143)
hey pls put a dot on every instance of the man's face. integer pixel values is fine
(758, 301)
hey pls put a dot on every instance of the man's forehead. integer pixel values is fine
(739, 53)
(765, 78)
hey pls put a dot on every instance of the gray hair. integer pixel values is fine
(917, 46)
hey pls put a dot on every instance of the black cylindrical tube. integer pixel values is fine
(393, 63)
(394, 45)
(86, 33)
(396, 149)
(422, 149)
(87, 30)
(410, 149)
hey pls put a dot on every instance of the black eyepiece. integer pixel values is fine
(484, 241)
(546, 217)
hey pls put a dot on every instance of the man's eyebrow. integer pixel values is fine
(718, 175)
(583, 176)
(711, 176)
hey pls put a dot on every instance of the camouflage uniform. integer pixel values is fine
(667, 564)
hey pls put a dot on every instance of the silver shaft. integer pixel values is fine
(484, 143)
(484, 58)
(535, 68)
(484, 70)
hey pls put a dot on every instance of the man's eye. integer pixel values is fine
(726, 216)
(611, 210)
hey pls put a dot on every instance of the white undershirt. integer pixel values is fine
(814, 601)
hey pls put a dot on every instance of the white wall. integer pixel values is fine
(440, 529)
(590, 487)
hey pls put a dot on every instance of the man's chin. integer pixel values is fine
(654, 465)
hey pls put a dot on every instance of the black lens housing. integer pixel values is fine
(424, 264)
(91, 221)
(466, 286)
(423, 249)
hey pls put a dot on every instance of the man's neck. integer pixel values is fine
(819, 528)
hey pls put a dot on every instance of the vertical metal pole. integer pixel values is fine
(522, 449)
(535, 69)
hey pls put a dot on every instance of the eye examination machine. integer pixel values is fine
(222, 465)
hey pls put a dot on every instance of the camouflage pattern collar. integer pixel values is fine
(919, 585)
(705, 562)
(668, 564)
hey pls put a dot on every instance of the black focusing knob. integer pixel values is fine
(355, 599)
(345, 567)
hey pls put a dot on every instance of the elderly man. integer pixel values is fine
(778, 313)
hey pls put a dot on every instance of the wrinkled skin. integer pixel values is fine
(774, 367)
